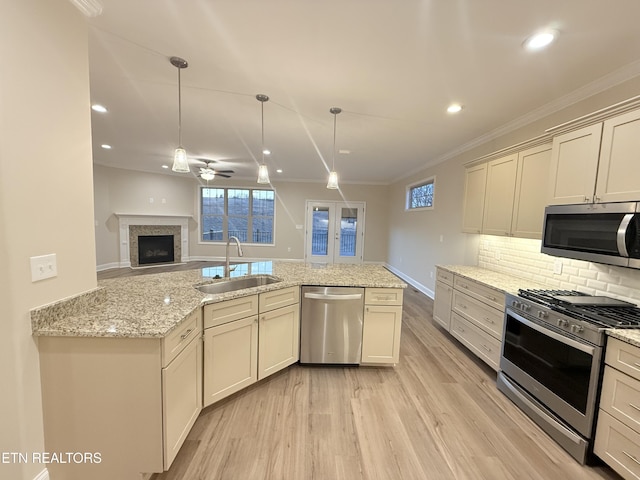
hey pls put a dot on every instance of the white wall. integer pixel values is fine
(414, 243)
(46, 199)
(126, 191)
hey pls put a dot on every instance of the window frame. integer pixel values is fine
(225, 215)
(409, 188)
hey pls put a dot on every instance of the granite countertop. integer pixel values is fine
(152, 305)
(499, 281)
(629, 336)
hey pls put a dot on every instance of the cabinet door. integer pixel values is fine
(278, 339)
(619, 159)
(181, 397)
(531, 192)
(574, 165)
(381, 334)
(230, 358)
(499, 195)
(442, 305)
(475, 179)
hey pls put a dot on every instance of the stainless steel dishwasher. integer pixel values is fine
(331, 325)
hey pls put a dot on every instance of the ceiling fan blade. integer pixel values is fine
(218, 174)
(224, 171)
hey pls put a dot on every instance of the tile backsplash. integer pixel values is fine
(522, 258)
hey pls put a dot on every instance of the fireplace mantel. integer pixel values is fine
(125, 220)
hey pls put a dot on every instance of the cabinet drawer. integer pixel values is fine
(487, 318)
(620, 397)
(383, 296)
(480, 343)
(444, 276)
(485, 294)
(624, 357)
(230, 310)
(279, 298)
(618, 446)
(173, 343)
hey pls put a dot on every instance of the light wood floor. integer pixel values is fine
(436, 415)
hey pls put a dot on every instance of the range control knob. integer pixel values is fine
(542, 314)
(525, 307)
(562, 323)
(575, 328)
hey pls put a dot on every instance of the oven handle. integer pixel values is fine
(622, 234)
(550, 333)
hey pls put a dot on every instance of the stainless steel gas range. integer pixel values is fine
(551, 362)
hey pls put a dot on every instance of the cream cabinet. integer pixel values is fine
(574, 165)
(279, 330)
(443, 298)
(132, 399)
(619, 159)
(617, 440)
(477, 318)
(382, 325)
(230, 347)
(499, 195)
(513, 195)
(595, 163)
(475, 182)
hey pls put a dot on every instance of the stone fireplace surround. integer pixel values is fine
(131, 226)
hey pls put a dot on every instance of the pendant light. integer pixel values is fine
(263, 171)
(333, 175)
(180, 163)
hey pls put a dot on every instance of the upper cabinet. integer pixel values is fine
(475, 181)
(507, 195)
(596, 163)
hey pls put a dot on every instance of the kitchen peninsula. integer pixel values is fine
(122, 366)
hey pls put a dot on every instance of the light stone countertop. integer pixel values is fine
(511, 284)
(151, 306)
(500, 281)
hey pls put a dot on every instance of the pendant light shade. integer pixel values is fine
(263, 171)
(180, 163)
(333, 175)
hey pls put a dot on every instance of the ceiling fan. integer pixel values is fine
(209, 173)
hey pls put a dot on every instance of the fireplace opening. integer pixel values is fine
(155, 249)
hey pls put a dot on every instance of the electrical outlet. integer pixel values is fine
(44, 266)
(557, 267)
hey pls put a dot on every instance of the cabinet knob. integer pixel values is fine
(596, 199)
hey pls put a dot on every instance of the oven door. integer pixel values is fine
(558, 371)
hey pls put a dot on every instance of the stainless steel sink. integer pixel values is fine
(238, 284)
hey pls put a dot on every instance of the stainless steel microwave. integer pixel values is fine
(600, 232)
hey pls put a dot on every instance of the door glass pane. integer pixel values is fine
(348, 227)
(320, 231)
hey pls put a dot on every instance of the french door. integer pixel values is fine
(335, 232)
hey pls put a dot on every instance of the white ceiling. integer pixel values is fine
(392, 66)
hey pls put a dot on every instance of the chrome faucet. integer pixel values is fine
(227, 271)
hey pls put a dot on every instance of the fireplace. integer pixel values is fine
(154, 249)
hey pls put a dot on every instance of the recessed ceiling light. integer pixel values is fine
(540, 40)
(344, 152)
(279, 170)
(105, 146)
(99, 108)
(454, 108)
(165, 166)
(266, 151)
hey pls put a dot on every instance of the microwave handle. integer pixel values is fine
(622, 234)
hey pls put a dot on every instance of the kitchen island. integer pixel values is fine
(122, 366)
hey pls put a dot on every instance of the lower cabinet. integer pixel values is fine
(486, 347)
(617, 440)
(249, 338)
(443, 299)
(382, 325)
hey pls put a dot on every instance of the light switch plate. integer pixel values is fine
(44, 266)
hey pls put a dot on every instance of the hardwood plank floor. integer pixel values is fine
(436, 415)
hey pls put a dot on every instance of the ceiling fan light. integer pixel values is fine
(207, 174)
(263, 174)
(332, 184)
(180, 163)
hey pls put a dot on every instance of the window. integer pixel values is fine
(420, 195)
(245, 213)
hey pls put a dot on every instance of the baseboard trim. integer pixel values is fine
(43, 475)
(414, 283)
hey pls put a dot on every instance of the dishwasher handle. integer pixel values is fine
(329, 296)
